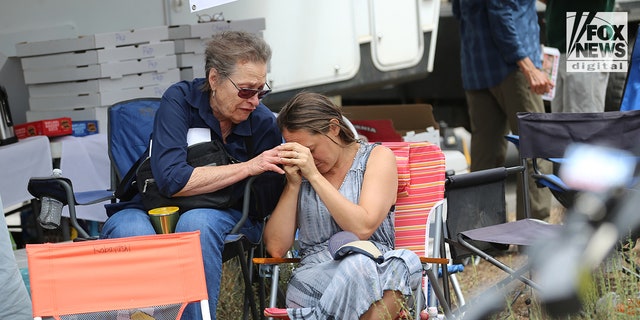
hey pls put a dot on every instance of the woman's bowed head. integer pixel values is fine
(308, 122)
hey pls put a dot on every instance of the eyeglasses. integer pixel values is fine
(247, 93)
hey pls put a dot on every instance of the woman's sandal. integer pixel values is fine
(276, 313)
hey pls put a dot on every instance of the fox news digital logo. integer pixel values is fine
(597, 42)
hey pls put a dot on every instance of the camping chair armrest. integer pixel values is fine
(93, 197)
(61, 189)
(424, 260)
(551, 181)
(513, 138)
(275, 260)
(296, 260)
(245, 205)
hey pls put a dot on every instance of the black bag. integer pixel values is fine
(210, 153)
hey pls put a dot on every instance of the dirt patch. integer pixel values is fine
(479, 275)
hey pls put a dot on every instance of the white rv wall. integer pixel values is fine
(314, 42)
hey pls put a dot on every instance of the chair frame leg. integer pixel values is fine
(273, 295)
(270, 271)
(515, 274)
(439, 292)
(249, 300)
(456, 288)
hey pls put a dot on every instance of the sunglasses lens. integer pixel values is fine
(247, 93)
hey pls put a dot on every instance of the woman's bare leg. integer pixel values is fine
(386, 308)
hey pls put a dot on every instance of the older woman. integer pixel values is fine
(336, 183)
(227, 104)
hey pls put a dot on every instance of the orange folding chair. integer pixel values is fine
(136, 278)
(421, 177)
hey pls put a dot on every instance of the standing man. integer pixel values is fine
(575, 91)
(500, 60)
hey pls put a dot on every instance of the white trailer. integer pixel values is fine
(335, 47)
(342, 46)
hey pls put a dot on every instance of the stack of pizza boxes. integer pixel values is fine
(81, 77)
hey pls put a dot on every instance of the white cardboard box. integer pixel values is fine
(194, 60)
(96, 71)
(455, 161)
(95, 41)
(104, 84)
(94, 99)
(430, 135)
(190, 45)
(206, 30)
(91, 113)
(191, 73)
(99, 56)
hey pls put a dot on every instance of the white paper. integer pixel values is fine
(550, 63)
(197, 135)
(3, 60)
(430, 135)
(197, 5)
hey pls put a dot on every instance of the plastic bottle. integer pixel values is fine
(51, 208)
(433, 312)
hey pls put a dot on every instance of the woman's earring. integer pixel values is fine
(213, 93)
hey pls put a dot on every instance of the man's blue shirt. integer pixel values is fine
(494, 35)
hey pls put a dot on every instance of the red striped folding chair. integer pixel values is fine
(421, 176)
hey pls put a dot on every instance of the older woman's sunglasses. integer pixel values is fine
(247, 93)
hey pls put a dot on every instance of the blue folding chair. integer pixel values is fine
(129, 129)
(129, 133)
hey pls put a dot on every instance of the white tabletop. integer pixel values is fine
(30, 157)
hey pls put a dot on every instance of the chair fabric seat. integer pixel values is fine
(524, 232)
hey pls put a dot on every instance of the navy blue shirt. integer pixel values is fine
(494, 35)
(185, 106)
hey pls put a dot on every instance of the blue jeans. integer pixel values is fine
(214, 225)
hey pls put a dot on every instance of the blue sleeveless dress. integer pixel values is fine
(323, 288)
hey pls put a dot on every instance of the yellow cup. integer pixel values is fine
(164, 219)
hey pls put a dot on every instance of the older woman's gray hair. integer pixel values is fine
(227, 48)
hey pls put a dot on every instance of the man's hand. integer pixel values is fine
(539, 82)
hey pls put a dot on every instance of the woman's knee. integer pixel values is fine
(217, 223)
(127, 223)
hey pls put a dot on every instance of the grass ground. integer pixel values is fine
(610, 293)
(607, 293)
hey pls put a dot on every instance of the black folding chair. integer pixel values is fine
(476, 222)
(476, 218)
(547, 136)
